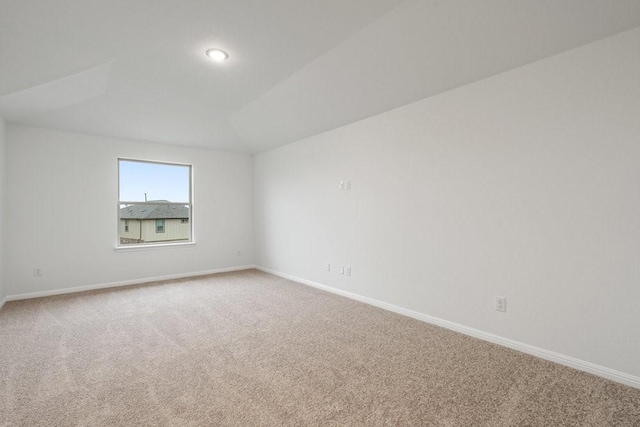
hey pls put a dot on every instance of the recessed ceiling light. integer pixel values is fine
(217, 55)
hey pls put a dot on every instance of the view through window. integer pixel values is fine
(154, 205)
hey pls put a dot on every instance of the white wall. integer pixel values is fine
(525, 184)
(62, 211)
(3, 207)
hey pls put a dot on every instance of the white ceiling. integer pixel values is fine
(136, 68)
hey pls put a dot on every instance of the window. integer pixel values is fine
(154, 205)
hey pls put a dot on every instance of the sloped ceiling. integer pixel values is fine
(137, 69)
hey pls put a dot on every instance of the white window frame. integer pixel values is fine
(155, 245)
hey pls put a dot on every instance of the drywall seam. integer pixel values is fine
(542, 353)
(122, 283)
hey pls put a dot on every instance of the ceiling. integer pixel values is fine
(138, 70)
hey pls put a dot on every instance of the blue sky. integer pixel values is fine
(159, 181)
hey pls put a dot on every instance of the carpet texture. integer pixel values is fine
(248, 349)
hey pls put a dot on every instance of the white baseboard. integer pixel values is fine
(542, 353)
(122, 283)
(2, 301)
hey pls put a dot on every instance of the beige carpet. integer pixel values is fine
(248, 348)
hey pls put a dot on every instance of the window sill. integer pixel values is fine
(151, 246)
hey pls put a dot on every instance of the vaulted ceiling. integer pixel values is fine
(137, 69)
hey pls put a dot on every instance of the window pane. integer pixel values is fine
(154, 223)
(155, 203)
(154, 181)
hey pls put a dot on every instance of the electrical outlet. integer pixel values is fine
(328, 266)
(239, 253)
(348, 271)
(37, 272)
(341, 270)
(341, 185)
(501, 303)
(348, 186)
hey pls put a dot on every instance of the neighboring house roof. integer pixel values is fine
(153, 211)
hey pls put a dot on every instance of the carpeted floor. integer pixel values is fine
(248, 348)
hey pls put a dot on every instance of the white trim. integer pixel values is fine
(192, 238)
(150, 246)
(2, 301)
(542, 353)
(123, 283)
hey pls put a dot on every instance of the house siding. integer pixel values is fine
(134, 229)
(174, 229)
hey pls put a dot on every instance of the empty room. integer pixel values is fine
(320, 212)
